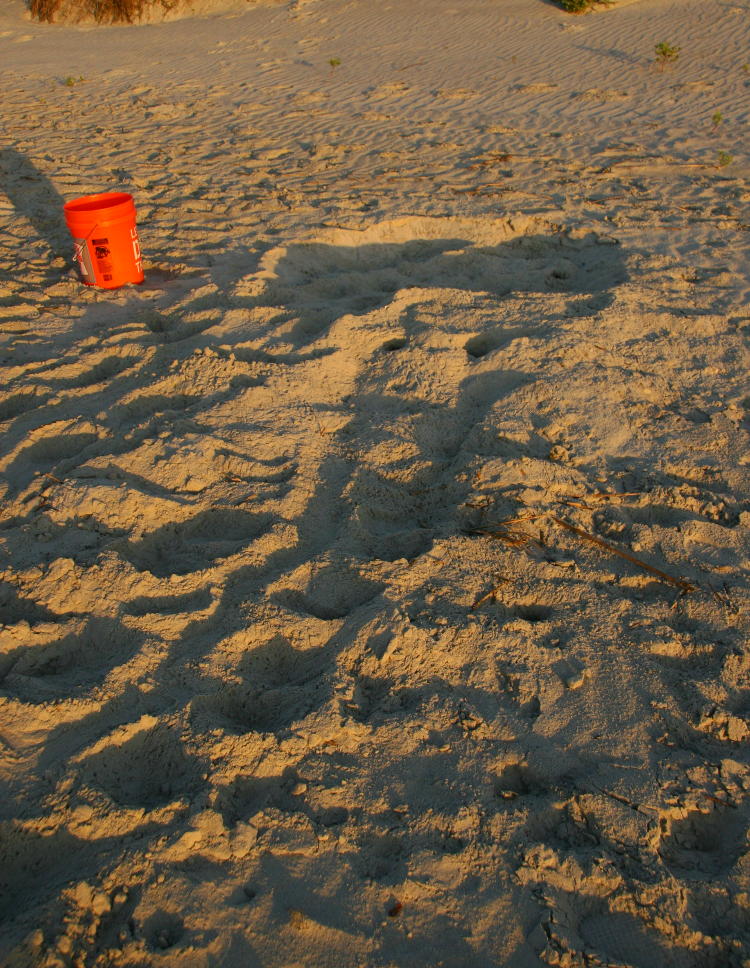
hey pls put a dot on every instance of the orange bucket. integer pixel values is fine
(106, 243)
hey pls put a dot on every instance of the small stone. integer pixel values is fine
(299, 789)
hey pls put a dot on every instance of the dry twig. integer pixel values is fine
(680, 583)
(506, 531)
(722, 803)
(490, 595)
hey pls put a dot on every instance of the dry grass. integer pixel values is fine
(102, 11)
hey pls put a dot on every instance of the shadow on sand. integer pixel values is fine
(312, 284)
(35, 199)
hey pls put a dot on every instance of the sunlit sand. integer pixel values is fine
(375, 575)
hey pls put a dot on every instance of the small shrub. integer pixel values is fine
(666, 54)
(581, 6)
(44, 10)
(102, 11)
(724, 159)
(334, 62)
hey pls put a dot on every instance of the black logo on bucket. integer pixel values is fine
(102, 254)
(83, 258)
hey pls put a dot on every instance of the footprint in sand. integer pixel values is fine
(349, 272)
(711, 839)
(332, 592)
(200, 542)
(73, 664)
(126, 770)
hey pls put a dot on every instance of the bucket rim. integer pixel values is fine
(102, 202)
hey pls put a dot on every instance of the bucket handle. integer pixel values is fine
(86, 237)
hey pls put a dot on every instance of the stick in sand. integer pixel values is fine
(680, 583)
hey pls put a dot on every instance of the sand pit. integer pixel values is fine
(375, 576)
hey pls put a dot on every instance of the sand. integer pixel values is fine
(301, 662)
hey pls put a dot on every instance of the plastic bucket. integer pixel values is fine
(106, 243)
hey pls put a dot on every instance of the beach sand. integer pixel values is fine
(308, 657)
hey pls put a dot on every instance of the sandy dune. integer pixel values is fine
(278, 687)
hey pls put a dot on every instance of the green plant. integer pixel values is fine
(71, 81)
(724, 159)
(666, 54)
(334, 62)
(581, 6)
(716, 118)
